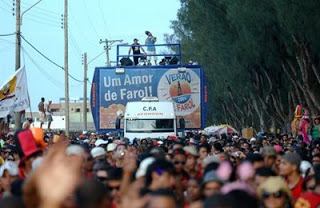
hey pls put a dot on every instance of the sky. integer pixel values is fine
(89, 21)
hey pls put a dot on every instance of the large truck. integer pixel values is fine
(149, 118)
(183, 85)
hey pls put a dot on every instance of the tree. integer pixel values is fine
(261, 57)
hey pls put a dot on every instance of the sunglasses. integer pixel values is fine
(277, 194)
(117, 188)
(102, 179)
(311, 188)
(179, 162)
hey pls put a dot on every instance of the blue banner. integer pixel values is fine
(184, 86)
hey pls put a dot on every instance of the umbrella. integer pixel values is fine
(221, 129)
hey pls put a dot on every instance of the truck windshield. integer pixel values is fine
(150, 125)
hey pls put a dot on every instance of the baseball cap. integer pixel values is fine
(253, 139)
(74, 150)
(11, 167)
(111, 147)
(268, 151)
(97, 151)
(144, 166)
(212, 176)
(100, 142)
(293, 158)
(191, 150)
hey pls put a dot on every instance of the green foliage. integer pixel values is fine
(244, 46)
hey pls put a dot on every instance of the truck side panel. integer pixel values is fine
(184, 86)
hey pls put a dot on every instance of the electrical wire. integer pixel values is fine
(7, 34)
(41, 70)
(84, 34)
(43, 23)
(39, 8)
(7, 41)
(75, 45)
(54, 63)
(56, 20)
(104, 19)
(11, 12)
(90, 21)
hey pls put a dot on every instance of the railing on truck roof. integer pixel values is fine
(172, 55)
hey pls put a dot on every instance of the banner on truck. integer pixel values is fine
(111, 92)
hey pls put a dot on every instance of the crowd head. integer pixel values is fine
(90, 169)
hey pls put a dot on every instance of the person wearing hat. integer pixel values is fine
(289, 168)
(9, 172)
(191, 162)
(135, 47)
(150, 41)
(98, 153)
(28, 150)
(211, 184)
(275, 193)
(270, 155)
(110, 148)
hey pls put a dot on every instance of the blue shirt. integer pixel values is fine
(151, 46)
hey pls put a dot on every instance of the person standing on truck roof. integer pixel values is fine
(150, 41)
(135, 47)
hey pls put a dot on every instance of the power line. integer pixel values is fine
(7, 34)
(84, 34)
(104, 19)
(50, 78)
(85, 5)
(43, 23)
(54, 63)
(40, 8)
(56, 19)
(7, 41)
(11, 12)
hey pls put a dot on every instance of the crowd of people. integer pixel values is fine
(89, 170)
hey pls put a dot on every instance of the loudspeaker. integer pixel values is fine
(174, 61)
(126, 62)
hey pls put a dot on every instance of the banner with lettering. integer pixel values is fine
(183, 86)
(14, 93)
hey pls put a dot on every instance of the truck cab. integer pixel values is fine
(149, 118)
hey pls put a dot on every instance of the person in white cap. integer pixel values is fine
(98, 153)
(9, 172)
(100, 143)
(110, 148)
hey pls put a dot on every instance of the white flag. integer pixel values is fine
(14, 93)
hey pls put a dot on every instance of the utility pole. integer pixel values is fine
(85, 92)
(107, 47)
(66, 69)
(18, 124)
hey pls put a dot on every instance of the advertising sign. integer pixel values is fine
(183, 86)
